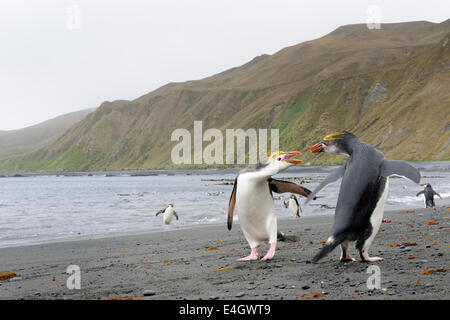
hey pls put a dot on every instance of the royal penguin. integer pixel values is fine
(169, 213)
(429, 194)
(293, 206)
(362, 194)
(253, 201)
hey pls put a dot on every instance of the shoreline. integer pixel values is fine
(170, 228)
(155, 172)
(175, 265)
(188, 171)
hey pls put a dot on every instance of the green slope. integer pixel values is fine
(390, 86)
(31, 138)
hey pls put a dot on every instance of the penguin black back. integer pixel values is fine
(362, 193)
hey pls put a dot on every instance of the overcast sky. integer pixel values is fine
(61, 56)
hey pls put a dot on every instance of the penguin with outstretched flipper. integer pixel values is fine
(362, 195)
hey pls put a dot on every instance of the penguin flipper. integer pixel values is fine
(160, 211)
(401, 168)
(332, 177)
(280, 186)
(231, 204)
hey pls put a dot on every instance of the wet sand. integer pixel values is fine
(176, 265)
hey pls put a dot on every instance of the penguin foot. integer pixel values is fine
(271, 253)
(253, 256)
(347, 258)
(365, 258)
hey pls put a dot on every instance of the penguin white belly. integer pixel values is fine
(377, 216)
(256, 211)
(168, 216)
(292, 207)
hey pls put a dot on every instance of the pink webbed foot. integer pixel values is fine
(271, 253)
(253, 256)
(365, 258)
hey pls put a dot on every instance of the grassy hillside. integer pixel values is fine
(390, 86)
(31, 138)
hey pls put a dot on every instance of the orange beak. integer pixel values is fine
(318, 147)
(289, 155)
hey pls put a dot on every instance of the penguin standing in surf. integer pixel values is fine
(429, 194)
(168, 214)
(362, 195)
(252, 198)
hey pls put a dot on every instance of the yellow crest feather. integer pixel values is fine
(331, 136)
(270, 154)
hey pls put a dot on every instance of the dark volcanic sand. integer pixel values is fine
(175, 265)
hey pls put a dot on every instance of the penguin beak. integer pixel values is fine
(318, 147)
(287, 157)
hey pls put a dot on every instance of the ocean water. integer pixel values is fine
(48, 208)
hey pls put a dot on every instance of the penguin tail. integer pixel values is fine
(329, 246)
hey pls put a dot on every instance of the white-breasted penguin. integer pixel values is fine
(169, 213)
(429, 194)
(253, 200)
(293, 206)
(362, 194)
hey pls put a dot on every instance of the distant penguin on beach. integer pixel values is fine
(253, 200)
(169, 213)
(293, 206)
(362, 195)
(429, 194)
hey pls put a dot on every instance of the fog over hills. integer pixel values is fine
(28, 139)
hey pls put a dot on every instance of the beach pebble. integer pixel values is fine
(148, 293)
(306, 287)
(307, 229)
(213, 297)
(240, 294)
(278, 265)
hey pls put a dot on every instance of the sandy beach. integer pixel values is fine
(200, 263)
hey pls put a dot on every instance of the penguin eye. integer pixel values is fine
(279, 158)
